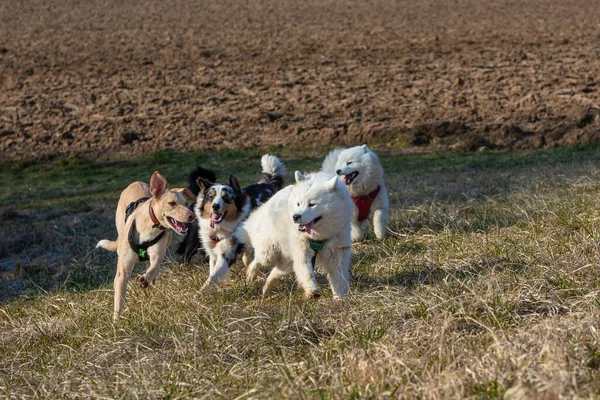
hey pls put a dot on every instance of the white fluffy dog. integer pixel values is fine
(361, 171)
(303, 226)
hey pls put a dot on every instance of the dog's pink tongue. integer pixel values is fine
(310, 227)
(347, 179)
(180, 226)
(213, 217)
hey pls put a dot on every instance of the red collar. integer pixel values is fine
(363, 203)
(154, 219)
(215, 239)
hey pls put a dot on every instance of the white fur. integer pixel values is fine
(278, 243)
(272, 165)
(370, 175)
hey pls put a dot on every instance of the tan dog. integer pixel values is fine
(145, 234)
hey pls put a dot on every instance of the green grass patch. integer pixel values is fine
(486, 287)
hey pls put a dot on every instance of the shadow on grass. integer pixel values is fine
(419, 275)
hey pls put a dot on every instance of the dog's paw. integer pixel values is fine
(312, 294)
(141, 279)
(357, 236)
(251, 276)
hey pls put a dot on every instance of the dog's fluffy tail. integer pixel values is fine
(273, 171)
(197, 173)
(331, 160)
(110, 245)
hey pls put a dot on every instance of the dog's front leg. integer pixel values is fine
(336, 263)
(380, 221)
(152, 271)
(303, 269)
(218, 270)
(357, 232)
(124, 268)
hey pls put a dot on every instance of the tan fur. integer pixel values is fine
(160, 199)
(207, 210)
(231, 210)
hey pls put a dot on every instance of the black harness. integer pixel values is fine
(139, 249)
(316, 245)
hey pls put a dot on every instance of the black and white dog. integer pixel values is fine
(221, 208)
(191, 242)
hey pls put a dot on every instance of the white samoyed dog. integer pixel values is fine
(303, 226)
(359, 168)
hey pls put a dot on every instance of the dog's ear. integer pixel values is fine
(331, 184)
(365, 148)
(158, 184)
(299, 177)
(234, 183)
(203, 184)
(189, 196)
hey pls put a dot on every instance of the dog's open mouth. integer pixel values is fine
(349, 178)
(310, 227)
(217, 218)
(177, 226)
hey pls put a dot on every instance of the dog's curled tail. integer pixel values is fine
(331, 160)
(273, 170)
(110, 245)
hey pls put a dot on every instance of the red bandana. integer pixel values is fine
(215, 239)
(363, 203)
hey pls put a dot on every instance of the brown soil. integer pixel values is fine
(121, 78)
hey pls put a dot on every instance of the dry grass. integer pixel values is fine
(488, 287)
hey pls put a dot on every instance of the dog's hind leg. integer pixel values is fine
(380, 221)
(252, 271)
(336, 265)
(120, 285)
(276, 273)
(260, 259)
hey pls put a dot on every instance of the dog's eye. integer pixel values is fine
(298, 204)
(172, 203)
(349, 162)
(312, 205)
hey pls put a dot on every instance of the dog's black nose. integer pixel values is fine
(296, 217)
(215, 206)
(339, 172)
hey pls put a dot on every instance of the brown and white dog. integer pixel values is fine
(145, 217)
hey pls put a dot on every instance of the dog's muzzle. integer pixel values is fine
(349, 178)
(309, 227)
